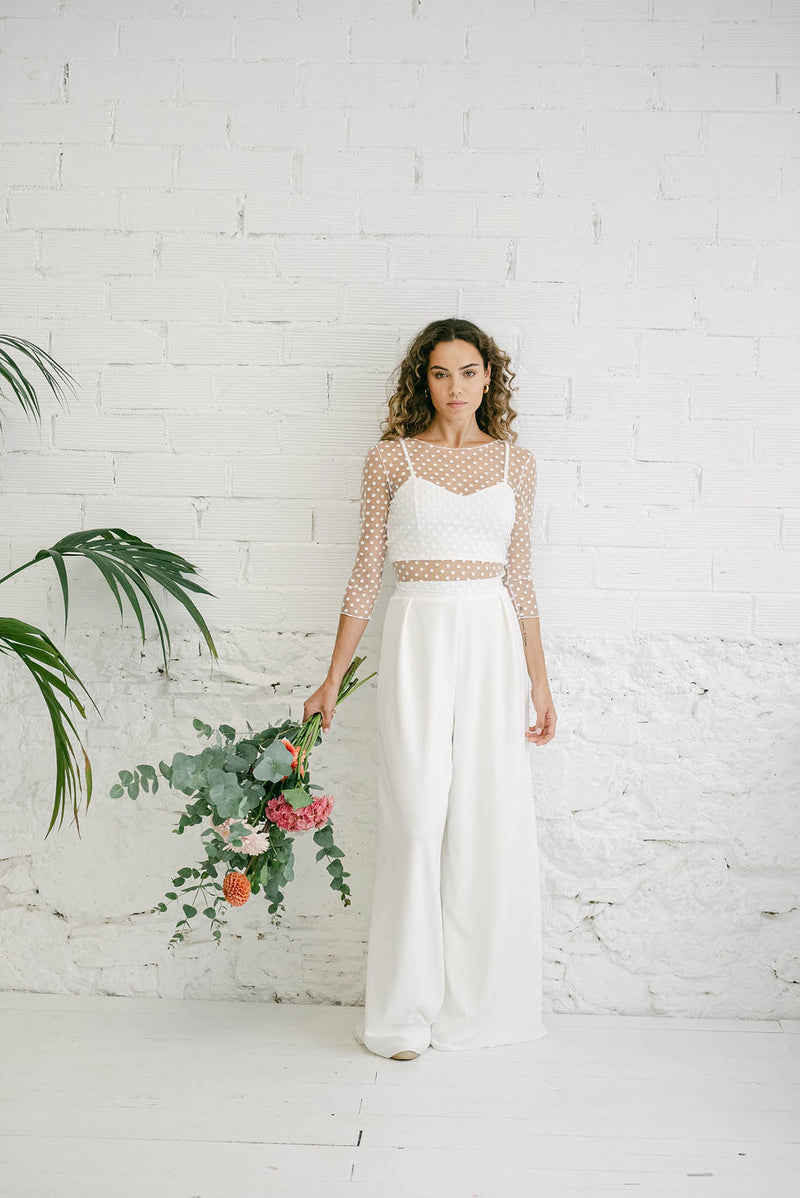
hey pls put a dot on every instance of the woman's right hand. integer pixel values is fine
(323, 700)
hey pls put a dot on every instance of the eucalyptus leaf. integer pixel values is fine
(274, 764)
(226, 796)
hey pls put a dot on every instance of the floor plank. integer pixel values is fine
(196, 1099)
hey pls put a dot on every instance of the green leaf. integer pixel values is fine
(20, 386)
(128, 564)
(189, 911)
(51, 672)
(298, 797)
(241, 756)
(61, 570)
(324, 835)
(117, 791)
(225, 794)
(148, 775)
(274, 764)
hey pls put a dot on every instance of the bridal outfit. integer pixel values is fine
(454, 955)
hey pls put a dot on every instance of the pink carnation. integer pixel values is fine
(313, 816)
(252, 842)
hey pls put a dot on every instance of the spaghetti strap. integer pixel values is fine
(405, 451)
(505, 470)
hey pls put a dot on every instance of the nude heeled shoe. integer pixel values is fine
(406, 1055)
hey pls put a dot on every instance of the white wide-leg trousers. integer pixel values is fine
(454, 955)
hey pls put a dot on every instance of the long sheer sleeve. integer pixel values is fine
(367, 573)
(517, 576)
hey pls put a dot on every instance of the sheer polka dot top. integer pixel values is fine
(447, 530)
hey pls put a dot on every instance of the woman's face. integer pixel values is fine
(456, 378)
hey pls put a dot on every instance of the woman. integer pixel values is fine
(454, 951)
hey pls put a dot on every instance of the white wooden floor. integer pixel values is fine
(148, 1098)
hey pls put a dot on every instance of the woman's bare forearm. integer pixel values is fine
(534, 653)
(348, 634)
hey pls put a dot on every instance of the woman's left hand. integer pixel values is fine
(545, 727)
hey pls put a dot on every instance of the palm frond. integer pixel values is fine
(127, 563)
(52, 674)
(21, 388)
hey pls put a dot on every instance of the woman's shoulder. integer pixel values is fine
(382, 458)
(384, 448)
(521, 456)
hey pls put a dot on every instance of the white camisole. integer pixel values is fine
(440, 513)
(428, 521)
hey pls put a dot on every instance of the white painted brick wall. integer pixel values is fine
(227, 225)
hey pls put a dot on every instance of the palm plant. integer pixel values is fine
(127, 563)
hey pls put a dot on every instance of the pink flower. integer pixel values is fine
(313, 816)
(252, 842)
(255, 843)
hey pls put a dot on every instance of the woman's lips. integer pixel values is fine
(456, 403)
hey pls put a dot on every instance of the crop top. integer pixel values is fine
(445, 512)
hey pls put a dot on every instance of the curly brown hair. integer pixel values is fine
(410, 407)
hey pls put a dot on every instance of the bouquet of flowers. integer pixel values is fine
(255, 791)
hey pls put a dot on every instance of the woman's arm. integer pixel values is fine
(519, 582)
(366, 576)
(534, 653)
(348, 634)
(363, 585)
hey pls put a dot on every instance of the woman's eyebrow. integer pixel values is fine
(460, 367)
